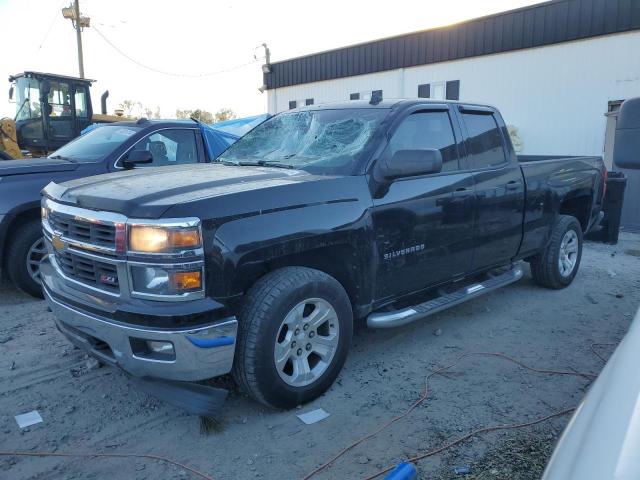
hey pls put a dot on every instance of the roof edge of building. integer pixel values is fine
(531, 26)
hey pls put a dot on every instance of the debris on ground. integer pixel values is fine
(92, 364)
(313, 416)
(25, 420)
(522, 456)
(461, 470)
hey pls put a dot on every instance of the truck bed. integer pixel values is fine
(548, 183)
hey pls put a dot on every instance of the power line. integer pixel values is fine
(46, 35)
(171, 74)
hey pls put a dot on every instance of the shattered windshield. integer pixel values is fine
(320, 141)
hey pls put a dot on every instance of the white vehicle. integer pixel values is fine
(602, 440)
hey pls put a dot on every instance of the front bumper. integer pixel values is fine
(199, 353)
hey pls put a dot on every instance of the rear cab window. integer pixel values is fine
(484, 143)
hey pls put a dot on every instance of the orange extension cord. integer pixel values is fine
(413, 406)
(108, 455)
(426, 393)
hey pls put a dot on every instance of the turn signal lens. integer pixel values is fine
(184, 238)
(186, 280)
(152, 239)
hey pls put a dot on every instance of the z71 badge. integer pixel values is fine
(404, 251)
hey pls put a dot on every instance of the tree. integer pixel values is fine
(224, 114)
(150, 113)
(128, 106)
(201, 115)
(205, 116)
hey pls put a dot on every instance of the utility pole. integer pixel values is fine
(73, 13)
(79, 39)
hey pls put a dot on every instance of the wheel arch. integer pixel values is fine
(18, 217)
(340, 261)
(579, 205)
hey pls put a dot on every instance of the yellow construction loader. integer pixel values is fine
(51, 110)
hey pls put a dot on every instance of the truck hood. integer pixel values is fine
(35, 165)
(183, 189)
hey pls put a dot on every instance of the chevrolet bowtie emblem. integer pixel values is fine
(57, 242)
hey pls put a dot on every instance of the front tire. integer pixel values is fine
(25, 251)
(557, 265)
(295, 328)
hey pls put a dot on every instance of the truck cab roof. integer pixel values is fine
(390, 103)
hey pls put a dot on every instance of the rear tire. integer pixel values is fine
(25, 249)
(294, 333)
(557, 265)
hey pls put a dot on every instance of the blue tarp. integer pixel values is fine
(216, 141)
(240, 126)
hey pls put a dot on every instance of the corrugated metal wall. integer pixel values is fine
(538, 25)
(556, 96)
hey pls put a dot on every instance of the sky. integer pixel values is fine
(205, 48)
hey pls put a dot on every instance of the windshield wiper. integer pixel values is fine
(265, 163)
(60, 157)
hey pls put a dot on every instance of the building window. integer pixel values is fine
(376, 95)
(354, 96)
(292, 104)
(453, 90)
(438, 91)
(308, 101)
(424, 91)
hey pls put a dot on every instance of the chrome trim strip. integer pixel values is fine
(165, 222)
(78, 213)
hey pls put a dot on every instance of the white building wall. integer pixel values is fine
(556, 96)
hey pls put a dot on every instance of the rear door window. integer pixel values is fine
(485, 147)
(427, 130)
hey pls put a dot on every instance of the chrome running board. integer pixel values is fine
(406, 315)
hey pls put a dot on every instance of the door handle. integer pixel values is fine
(513, 185)
(462, 192)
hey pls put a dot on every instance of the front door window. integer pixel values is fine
(169, 147)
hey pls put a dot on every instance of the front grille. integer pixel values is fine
(73, 228)
(89, 271)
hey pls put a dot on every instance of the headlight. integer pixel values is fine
(165, 281)
(158, 239)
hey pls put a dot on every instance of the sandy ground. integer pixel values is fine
(99, 410)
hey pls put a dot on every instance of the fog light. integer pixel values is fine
(155, 350)
(156, 346)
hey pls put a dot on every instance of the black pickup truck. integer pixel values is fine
(107, 148)
(260, 264)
